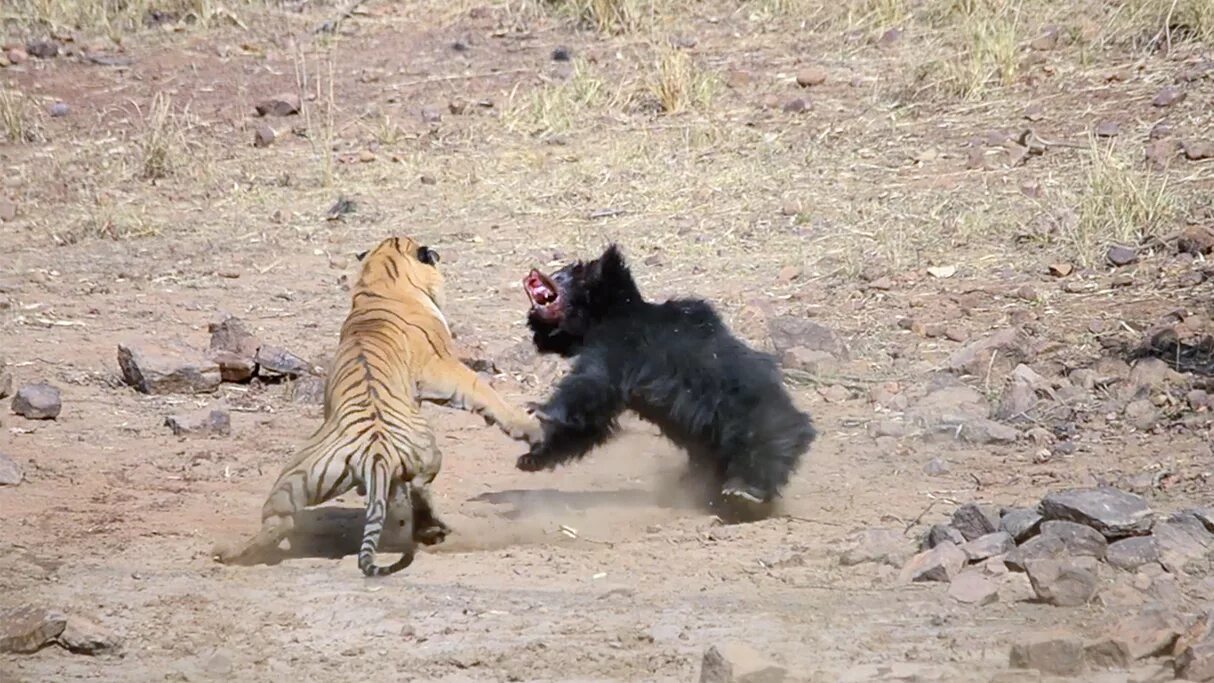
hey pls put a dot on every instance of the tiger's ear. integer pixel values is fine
(427, 256)
(361, 255)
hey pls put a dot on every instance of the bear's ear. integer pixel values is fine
(611, 262)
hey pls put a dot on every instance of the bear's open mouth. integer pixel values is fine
(542, 293)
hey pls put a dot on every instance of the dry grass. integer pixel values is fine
(1120, 203)
(18, 117)
(116, 17)
(317, 82)
(609, 16)
(556, 107)
(161, 139)
(678, 84)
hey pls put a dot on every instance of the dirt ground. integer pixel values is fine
(884, 204)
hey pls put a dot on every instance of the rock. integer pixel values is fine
(1017, 400)
(1113, 513)
(1119, 255)
(38, 401)
(263, 136)
(234, 349)
(57, 110)
(43, 49)
(306, 390)
(736, 662)
(1181, 541)
(82, 636)
(1205, 516)
(1058, 539)
(942, 533)
(1169, 96)
(882, 546)
(272, 360)
(1147, 634)
(948, 407)
(1058, 653)
(561, 54)
(1196, 240)
(1197, 150)
(286, 104)
(1048, 40)
(975, 521)
(17, 56)
(1151, 373)
(1064, 582)
(1131, 553)
(941, 563)
(890, 37)
(1141, 415)
(990, 545)
(1159, 153)
(8, 210)
(212, 421)
(811, 76)
(431, 114)
(1020, 523)
(788, 274)
(1107, 129)
(10, 471)
(1196, 663)
(788, 331)
(1198, 399)
(28, 629)
(796, 105)
(972, 588)
(158, 370)
(1062, 269)
(807, 360)
(974, 358)
(936, 467)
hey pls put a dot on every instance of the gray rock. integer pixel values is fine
(1150, 633)
(1058, 540)
(307, 390)
(160, 370)
(972, 588)
(788, 331)
(233, 347)
(6, 381)
(983, 431)
(974, 521)
(272, 360)
(1057, 653)
(1131, 553)
(936, 467)
(1016, 402)
(1064, 582)
(990, 545)
(1180, 541)
(883, 546)
(38, 401)
(735, 662)
(975, 358)
(286, 104)
(28, 629)
(82, 636)
(1021, 523)
(1114, 513)
(10, 471)
(1119, 255)
(942, 533)
(211, 421)
(941, 563)
(1205, 516)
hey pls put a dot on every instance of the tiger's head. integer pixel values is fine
(401, 266)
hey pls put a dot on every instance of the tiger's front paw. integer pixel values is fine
(527, 428)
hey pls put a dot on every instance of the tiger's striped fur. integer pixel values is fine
(395, 350)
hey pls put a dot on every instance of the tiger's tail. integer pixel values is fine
(378, 483)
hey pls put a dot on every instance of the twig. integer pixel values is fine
(331, 25)
(807, 520)
(916, 520)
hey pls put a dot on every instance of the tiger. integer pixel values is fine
(395, 350)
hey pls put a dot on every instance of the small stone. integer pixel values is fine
(1159, 153)
(1064, 583)
(562, 54)
(975, 521)
(1197, 399)
(1118, 255)
(273, 360)
(38, 401)
(307, 390)
(942, 533)
(1062, 269)
(10, 471)
(156, 370)
(263, 136)
(84, 637)
(990, 545)
(1169, 96)
(941, 563)
(796, 105)
(1196, 240)
(1147, 634)
(790, 207)
(807, 360)
(1010, 344)
(1057, 653)
(233, 347)
(890, 37)
(736, 662)
(972, 588)
(431, 114)
(788, 274)
(8, 211)
(1034, 112)
(286, 104)
(1131, 553)
(1030, 189)
(1111, 512)
(811, 76)
(365, 156)
(427, 179)
(43, 49)
(1048, 40)
(57, 110)
(1020, 523)
(788, 331)
(28, 629)
(936, 468)
(213, 421)
(880, 546)
(1197, 150)
(1141, 415)
(17, 56)
(1107, 129)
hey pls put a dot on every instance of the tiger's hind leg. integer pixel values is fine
(293, 491)
(428, 529)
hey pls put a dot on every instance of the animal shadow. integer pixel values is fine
(328, 532)
(527, 502)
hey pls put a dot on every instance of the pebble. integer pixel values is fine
(38, 401)
(10, 471)
(810, 76)
(286, 104)
(1169, 96)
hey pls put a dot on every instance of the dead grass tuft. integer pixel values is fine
(556, 107)
(115, 17)
(678, 84)
(18, 117)
(161, 139)
(1121, 203)
(609, 16)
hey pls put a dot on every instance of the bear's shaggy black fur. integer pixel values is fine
(676, 365)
